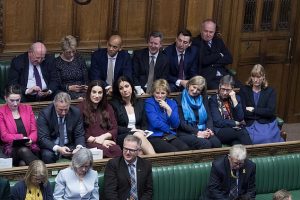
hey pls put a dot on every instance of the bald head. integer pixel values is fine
(37, 53)
(208, 30)
(114, 45)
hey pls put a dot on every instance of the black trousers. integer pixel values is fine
(199, 143)
(232, 136)
(162, 146)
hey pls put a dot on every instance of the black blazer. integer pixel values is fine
(218, 120)
(264, 111)
(48, 127)
(141, 67)
(122, 117)
(117, 179)
(187, 128)
(98, 69)
(220, 179)
(19, 69)
(210, 59)
(190, 62)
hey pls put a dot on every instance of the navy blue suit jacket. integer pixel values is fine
(19, 69)
(141, 67)
(190, 63)
(264, 111)
(98, 70)
(220, 179)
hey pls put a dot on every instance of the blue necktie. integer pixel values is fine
(133, 189)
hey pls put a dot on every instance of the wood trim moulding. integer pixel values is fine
(173, 158)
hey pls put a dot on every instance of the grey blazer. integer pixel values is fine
(67, 185)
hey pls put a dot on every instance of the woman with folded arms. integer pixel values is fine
(71, 69)
(196, 126)
(17, 122)
(259, 106)
(79, 181)
(227, 114)
(99, 120)
(130, 113)
(163, 119)
(35, 184)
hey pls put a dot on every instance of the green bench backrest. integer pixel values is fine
(180, 181)
(277, 172)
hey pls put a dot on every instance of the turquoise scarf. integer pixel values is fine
(188, 104)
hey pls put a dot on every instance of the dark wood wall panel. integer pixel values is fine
(56, 21)
(133, 21)
(19, 24)
(91, 24)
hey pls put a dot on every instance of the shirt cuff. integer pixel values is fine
(79, 146)
(55, 148)
(178, 82)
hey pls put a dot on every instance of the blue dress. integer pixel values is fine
(263, 133)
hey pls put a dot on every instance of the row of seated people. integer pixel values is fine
(191, 121)
(41, 76)
(130, 177)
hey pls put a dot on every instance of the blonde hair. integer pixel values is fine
(36, 168)
(68, 42)
(199, 81)
(258, 71)
(160, 84)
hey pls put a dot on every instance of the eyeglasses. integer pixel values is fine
(225, 89)
(130, 150)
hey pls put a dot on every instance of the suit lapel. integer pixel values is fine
(145, 59)
(10, 118)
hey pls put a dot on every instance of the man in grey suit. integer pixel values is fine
(60, 129)
(150, 64)
(128, 176)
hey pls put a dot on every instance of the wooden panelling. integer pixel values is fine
(91, 24)
(250, 51)
(56, 21)
(19, 24)
(133, 21)
(277, 49)
(197, 11)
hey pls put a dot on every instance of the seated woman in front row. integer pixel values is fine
(17, 122)
(227, 114)
(130, 113)
(196, 126)
(163, 119)
(35, 184)
(79, 181)
(259, 105)
(99, 121)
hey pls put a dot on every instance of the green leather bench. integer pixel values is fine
(188, 181)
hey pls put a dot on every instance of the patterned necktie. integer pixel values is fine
(181, 67)
(110, 71)
(61, 132)
(151, 75)
(133, 189)
(209, 43)
(234, 190)
(37, 77)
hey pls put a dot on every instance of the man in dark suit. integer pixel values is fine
(213, 54)
(35, 72)
(60, 129)
(129, 176)
(108, 64)
(150, 64)
(232, 176)
(4, 189)
(183, 61)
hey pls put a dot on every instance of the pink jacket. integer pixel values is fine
(8, 127)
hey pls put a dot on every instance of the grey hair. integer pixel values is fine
(238, 151)
(281, 195)
(68, 42)
(81, 157)
(197, 80)
(227, 79)
(133, 138)
(62, 97)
